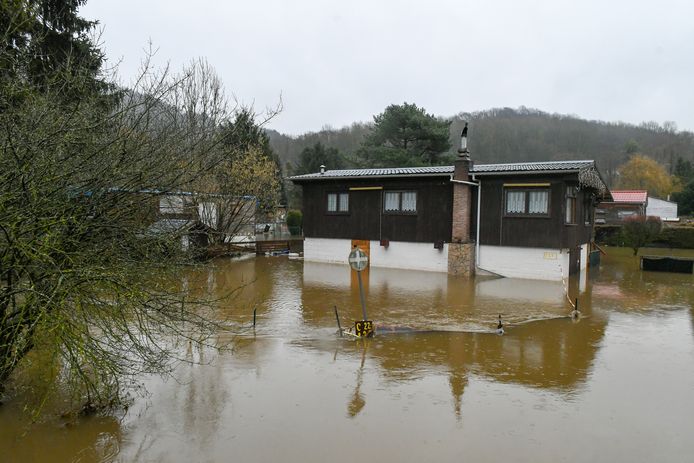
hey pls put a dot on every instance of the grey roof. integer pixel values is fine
(378, 172)
(529, 167)
(543, 166)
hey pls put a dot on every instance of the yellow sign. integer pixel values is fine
(364, 328)
(525, 184)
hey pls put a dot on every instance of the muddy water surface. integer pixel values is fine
(618, 385)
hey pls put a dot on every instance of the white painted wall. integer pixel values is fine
(531, 263)
(583, 273)
(512, 262)
(399, 254)
(413, 256)
(338, 276)
(663, 209)
(584, 256)
(327, 250)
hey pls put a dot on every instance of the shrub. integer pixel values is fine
(295, 221)
(638, 231)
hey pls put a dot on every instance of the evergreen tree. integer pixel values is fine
(313, 157)
(244, 134)
(405, 135)
(685, 199)
(684, 170)
(48, 44)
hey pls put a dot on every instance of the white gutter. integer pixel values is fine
(477, 233)
(463, 181)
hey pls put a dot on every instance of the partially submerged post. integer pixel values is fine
(358, 260)
(337, 317)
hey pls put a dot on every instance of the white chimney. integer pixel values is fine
(322, 169)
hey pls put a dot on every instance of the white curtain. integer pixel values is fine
(344, 202)
(409, 201)
(332, 202)
(538, 202)
(392, 201)
(515, 202)
(570, 210)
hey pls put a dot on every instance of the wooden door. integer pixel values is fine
(364, 245)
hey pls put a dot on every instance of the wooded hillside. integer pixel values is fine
(508, 135)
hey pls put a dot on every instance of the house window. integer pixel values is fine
(571, 192)
(400, 201)
(338, 202)
(527, 202)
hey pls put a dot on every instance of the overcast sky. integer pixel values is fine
(334, 63)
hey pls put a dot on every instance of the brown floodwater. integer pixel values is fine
(617, 385)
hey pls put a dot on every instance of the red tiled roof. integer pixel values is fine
(629, 196)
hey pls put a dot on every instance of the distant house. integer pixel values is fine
(194, 235)
(666, 210)
(229, 219)
(622, 205)
(525, 220)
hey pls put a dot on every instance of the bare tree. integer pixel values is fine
(83, 284)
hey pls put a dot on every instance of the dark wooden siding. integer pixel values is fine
(542, 232)
(366, 219)
(433, 220)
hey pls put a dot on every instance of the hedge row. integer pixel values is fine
(669, 237)
(676, 237)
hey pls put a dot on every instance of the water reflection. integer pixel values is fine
(555, 355)
(429, 300)
(446, 389)
(357, 403)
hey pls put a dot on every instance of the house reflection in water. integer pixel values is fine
(543, 348)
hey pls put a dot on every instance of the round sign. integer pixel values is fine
(358, 259)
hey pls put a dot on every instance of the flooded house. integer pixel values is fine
(229, 219)
(525, 220)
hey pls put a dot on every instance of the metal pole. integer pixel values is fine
(337, 317)
(361, 296)
(254, 316)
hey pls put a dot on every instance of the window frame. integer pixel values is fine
(526, 191)
(399, 210)
(571, 193)
(338, 202)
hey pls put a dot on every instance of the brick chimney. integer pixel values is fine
(462, 194)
